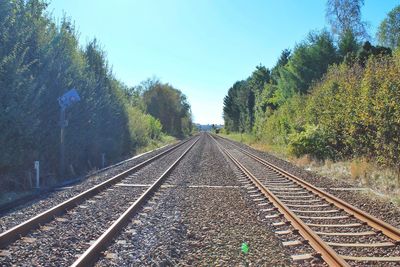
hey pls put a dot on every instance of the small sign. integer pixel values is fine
(68, 98)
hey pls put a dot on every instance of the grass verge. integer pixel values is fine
(251, 140)
(381, 183)
(7, 198)
(153, 144)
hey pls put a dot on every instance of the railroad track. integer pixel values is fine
(69, 228)
(339, 233)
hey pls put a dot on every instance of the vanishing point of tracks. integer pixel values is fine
(339, 233)
(99, 213)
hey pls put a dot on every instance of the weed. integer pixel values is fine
(303, 161)
(359, 169)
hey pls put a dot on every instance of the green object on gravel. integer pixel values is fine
(245, 248)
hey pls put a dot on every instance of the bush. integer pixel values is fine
(312, 141)
(288, 119)
(142, 127)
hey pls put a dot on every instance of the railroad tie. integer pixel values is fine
(362, 245)
(302, 257)
(292, 243)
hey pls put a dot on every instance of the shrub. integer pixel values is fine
(312, 141)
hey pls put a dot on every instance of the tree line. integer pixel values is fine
(334, 95)
(40, 60)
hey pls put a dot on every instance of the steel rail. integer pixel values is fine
(14, 233)
(93, 252)
(325, 251)
(387, 229)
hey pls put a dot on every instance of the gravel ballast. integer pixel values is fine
(337, 217)
(201, 218)
(388, 212)
(61, 241)
(34, 207)
(203, 213)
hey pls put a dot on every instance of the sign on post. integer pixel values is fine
(65, 101)
(68, 98)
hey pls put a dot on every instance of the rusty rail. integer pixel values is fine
(387, 229)
(17, 231)
(326, 252)
(93, 252)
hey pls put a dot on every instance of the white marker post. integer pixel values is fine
(37, 168)
(103, 160)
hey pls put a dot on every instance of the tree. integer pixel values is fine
(170, 106)
(238, 107)
(259, 78)
(348, 44)
(345, 16)
(389, 30)
(41, 60)
(256, 83)
(368, 50)
(231, 109)
(282, 61)
(308, 62)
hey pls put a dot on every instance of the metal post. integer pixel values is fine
(62, 147)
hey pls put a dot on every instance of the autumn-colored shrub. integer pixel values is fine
(354, 111)
(360, 108)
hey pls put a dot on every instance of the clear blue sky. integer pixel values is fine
(199, 46)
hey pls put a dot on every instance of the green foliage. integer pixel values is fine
(240, 105)
(282, 61)
(295, 72)
(170, 106)
(368, 50)
(380, 111)
(388, 32)
(142, 127)
(331, 106)
(313, 140)
(235, 107)
(258, 79)
(292, 75)
(283, 122)
(40, 61)
(348, 44)
(309, 61)
(326, 99)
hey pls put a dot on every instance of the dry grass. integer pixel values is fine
(251, 140)
(304, 161)
(328, 163)
(360, 172)
(262, 146)
(359, 169)
(153, 144)
(381, 181)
